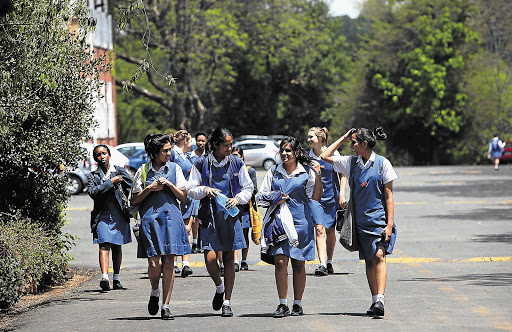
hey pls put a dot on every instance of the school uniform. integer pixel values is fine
(244, 209)
(108, 222)
(162, 229)
(180, 158)
(331, 192)
(218, 230)
(299, 186)
(369, 200)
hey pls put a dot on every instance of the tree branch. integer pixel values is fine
(148, 94)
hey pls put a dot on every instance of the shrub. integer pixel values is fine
(11, 278)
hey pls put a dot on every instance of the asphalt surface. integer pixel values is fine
(451, 270)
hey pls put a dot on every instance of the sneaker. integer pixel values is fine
(244, 266)
(237, 267)
(370, 310)
(321, 271)
(153, 305)
(104, 285)
(226, 311)
(217, 301)
(166, 314)
(176, 269)
(222, 271)
(116, 284)
(297, 310)
(281, 311)
(378, 308)
(330, 269)
(186, 271)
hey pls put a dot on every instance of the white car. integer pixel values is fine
(260, 152)
(129, 149)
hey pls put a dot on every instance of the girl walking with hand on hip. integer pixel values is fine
(157, 188)
(373, 178)
(215, 176)
(333, 197)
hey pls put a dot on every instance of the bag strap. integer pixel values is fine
(144, 174)
(351, 181)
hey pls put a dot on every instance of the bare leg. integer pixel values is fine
(229, 272)
(103, 257)
(117, 258)
(210, 259)
(195, 227)
(154, 271)
(331, 242)
(299, 278)
(168, 278)
(376, 272)
(245, 251)
(281, 275)
(320, 243)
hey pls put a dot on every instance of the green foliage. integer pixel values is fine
(11, 278)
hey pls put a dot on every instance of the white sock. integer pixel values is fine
(165, 306)
(323, 264)
(104, 275)
(244, 261)
(194, 241)
(220, 288)
(374, 298)
(116, 277)
(185, 263)
(329, 261)
(155, 292)
(237, 261)
(221, 265)
(175, 264)
(283, 301)
(298, 302)
(227, 302)
(380, 298)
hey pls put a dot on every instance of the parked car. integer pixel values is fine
(135, 161)
(77, 177)
(129, 149)
(506, 156)
(259, 152)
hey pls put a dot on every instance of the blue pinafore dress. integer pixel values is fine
(299, 205)
(369, 210)
(194, 208)
(191, 204)
(222, 231)
(330, 196)
(162, 229)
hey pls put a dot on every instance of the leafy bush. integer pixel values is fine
(11, 278)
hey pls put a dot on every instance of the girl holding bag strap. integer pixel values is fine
(333, 198)
(373, 205)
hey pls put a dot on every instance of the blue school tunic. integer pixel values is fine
(194, 209)
(186, 167)
(369, 209)
(162, 229)
(330, 196)
(299, 205)
(225, 232)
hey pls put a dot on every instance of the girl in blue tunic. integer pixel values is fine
(110, 226)
(333, 198)
(373, 178)
(298, 181)
(220, 172)
(163, 234)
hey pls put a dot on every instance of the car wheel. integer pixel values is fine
(74, 186)
(268, 163)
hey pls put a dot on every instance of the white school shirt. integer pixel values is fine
(111, 169)
(342, 165)
(266, 185)
(197, 191)
(181, 183)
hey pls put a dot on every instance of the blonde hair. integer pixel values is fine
(180, 136)
(321, 132)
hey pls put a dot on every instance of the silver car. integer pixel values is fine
(260, 152)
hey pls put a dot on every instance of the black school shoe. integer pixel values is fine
(104, 284)
(297, 310)
(116, 284)
(226, 311)
(217, 301)
(330, 269)
(176, 269)
(321, 271)
(244, 266)
(281, 311)
(370, 310)
(166, 314)
(378, 308)
(186, 271)
(237, 267)
(153, 305)
(222, 271)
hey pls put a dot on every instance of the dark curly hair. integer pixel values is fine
(153, 143)
(363, 134)
(301, 155)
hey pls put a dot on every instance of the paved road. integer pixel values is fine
(451, 270)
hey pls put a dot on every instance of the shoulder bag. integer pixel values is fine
(348, 231)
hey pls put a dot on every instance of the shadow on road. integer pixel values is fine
(481, 214)
(500, 238)
(469, 189)
(494, 279)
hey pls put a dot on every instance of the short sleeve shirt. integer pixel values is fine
(342, 165)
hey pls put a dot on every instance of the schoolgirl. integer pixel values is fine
(109, 224)
(296, 182)
(373, 178)
(218, 172)
(333, 197)
(157, 189)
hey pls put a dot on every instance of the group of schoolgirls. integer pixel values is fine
(302, 194)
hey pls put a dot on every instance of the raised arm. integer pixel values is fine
(327, 154)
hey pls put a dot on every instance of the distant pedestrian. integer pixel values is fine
(289, 189)
(109, 224)
(219, 172)
(157, 188)
(333, 198)
(372, 190)
(495, 151)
